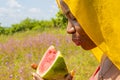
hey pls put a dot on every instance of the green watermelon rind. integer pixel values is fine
(57, 70)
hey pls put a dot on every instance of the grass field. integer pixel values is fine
(19, 51)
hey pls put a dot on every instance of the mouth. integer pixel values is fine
(85, 45)
(76, 41)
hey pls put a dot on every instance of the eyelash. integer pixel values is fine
(74, 19)
(70, 17)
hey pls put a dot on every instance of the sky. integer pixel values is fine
(14, 11)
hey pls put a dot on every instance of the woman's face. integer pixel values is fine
(79, 37)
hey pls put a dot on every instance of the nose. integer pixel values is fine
(70, 28)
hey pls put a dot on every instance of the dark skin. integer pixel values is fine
(79, 37)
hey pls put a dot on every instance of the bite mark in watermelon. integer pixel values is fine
(52, 66)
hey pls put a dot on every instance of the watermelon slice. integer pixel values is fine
(52, 66)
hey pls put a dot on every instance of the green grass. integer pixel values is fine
(19, 51)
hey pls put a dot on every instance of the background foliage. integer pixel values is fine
(40, 25)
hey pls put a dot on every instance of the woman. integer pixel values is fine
(94, 26)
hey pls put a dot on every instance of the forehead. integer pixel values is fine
(64, 7)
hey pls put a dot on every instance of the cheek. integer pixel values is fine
(79, 30)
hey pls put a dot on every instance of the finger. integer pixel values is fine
(36, 76)
(68, 77)
(72, 73)
(34, 66)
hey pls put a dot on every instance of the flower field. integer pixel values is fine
(19, 51)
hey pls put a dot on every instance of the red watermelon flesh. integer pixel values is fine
(48, 59)
(52, 66)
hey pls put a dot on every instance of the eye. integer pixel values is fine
(74, 19)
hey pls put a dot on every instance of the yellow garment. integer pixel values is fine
(100, 19)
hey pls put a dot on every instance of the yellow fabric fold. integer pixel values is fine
(100, 19)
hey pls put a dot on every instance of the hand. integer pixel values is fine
(37, 77)
(69, 77)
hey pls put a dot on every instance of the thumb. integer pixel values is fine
(70, 75)
(36, 76)
(34, 66)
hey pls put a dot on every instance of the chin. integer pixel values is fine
(77, 44)
(88, 47)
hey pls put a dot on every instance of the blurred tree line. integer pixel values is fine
(59, 21)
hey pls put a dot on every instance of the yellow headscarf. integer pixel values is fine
(100, 19)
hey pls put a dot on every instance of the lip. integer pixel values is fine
(77, 41)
